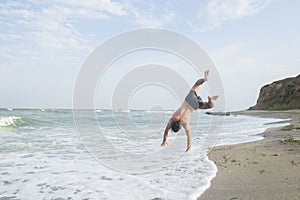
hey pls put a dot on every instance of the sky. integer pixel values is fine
(45, 43)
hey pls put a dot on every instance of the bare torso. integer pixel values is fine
(183, 113)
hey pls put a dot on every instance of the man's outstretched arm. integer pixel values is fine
(189, 136)
(164, 142)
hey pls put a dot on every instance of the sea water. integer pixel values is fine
(62, 154)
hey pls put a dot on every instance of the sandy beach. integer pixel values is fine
(266, 169)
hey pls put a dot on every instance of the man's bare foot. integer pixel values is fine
(206, 73)
(188, 149)
(213, 97)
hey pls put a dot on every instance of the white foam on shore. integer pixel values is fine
(250, 134)
(206, 182)
(53, 175)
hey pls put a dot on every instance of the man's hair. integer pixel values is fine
(175, 126)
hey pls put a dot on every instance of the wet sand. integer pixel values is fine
(266, 169)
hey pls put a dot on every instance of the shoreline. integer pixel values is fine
(264, 169)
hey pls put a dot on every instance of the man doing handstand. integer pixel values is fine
(182, 115)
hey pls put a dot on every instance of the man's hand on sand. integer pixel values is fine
(188, 149)
(163, 144)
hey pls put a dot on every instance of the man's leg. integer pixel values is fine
(196, 86)
(210, 103)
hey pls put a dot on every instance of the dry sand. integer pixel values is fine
(266, 169)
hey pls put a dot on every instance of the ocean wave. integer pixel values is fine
(63, 111)
(10, 121)
(15, 122)
(159, 111)
(122, 111)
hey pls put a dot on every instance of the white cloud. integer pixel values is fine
(148, 19)
(37, 27)
(149, 14)
(218, 11)
(107, 6)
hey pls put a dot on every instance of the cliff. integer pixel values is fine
(279, 95)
